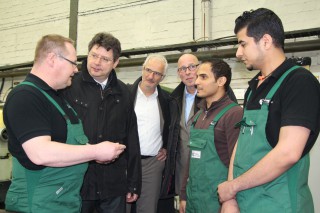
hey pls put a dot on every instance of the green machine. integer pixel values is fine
(5, 161)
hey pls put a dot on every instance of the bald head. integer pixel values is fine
(187, 58)
(187, 70)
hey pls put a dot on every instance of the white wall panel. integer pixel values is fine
(22, 23)
(137, 23)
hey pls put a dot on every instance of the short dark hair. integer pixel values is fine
(259, 22)
(220, 68)
(107, 41)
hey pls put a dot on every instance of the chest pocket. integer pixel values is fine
(197, 153)
(197, 148)
(197, 144)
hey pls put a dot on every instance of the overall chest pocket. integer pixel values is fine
(197, 150)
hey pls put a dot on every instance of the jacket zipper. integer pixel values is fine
(101, 93)
(205, 115)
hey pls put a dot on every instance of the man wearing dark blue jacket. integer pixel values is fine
(106, 108)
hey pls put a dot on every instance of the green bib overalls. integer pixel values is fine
(206, 169)
(289, 193)
(52, 189)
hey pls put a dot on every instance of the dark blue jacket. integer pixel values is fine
(107, 114)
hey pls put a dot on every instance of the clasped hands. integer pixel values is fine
(227, 197)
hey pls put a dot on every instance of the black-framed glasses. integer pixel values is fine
(156, 73)
(191, 67)
(68, 60)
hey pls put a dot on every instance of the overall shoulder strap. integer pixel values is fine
(222, 112)
(265, 102)
(278, 83)
(47, 96)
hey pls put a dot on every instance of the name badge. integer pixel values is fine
(196, 154)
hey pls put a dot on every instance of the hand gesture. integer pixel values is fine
(106, 152)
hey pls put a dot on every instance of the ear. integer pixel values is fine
(115, 64)
(266, 41)
(51, 59)
(222, 81)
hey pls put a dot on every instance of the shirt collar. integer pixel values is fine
(38, 81)
(203, 104)
(277, 73)
(187, 94)
(103, 84)
(140, 93)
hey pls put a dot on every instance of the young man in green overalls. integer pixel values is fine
(270, 164)
(46, 138)
(212, 138)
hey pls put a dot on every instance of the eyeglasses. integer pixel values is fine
(191, 67)
(156, 73)
(103, 58)
(71, 62)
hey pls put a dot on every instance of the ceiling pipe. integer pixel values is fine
(206, 20)
(193, 20)
(193, 46)
(292, 47)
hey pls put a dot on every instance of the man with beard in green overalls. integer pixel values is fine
(270, 164)
(212, 138)
(46, 138)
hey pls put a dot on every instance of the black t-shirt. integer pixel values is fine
(296, 103)
(28, 113)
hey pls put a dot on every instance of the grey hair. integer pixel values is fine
(160, 58)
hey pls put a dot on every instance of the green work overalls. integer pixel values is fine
(289, 193)
(206, 171)
(52, 189)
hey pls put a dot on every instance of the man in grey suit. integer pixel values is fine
(185, 94)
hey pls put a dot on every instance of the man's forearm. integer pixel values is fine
(42, 151)
(230, 172)
(267, 169)
(288, 151)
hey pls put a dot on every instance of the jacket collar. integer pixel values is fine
(112, 79)
(214, 105)
(177, 94)
(178, 91)
(135, 89)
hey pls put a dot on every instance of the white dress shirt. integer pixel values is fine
(148, 119)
